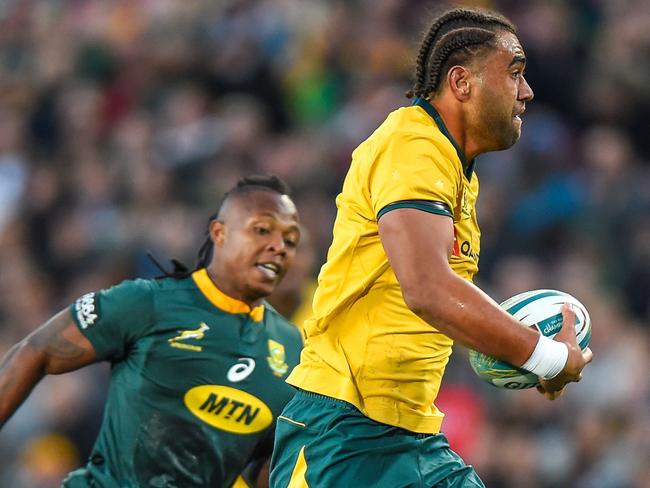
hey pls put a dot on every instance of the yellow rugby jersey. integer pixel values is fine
(363, 344)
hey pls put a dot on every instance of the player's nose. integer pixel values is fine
(276, 243)
(525, 91)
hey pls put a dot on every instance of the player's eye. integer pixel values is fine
(290, 242)
(262, 230)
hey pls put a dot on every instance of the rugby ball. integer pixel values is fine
(541, 309)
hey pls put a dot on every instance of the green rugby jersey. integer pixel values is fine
(197, 380)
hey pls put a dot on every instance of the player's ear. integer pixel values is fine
(459, 81)
(217, 232)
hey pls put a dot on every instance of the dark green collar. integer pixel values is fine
(433, 113)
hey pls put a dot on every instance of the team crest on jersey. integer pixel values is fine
(196, 334)
(87, 310)
(276, 358)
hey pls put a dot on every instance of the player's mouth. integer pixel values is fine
(270, 269)
(518, 114)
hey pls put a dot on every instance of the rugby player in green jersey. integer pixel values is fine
(198, 358)
(396, 290)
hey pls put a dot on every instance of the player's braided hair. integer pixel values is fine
(245, 185)
(454, 38)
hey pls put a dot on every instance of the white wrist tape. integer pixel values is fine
(548, 358)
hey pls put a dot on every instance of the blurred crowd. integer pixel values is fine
(123, 122)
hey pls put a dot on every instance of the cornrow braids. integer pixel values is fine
(245, 185)
(457, 35)
(455, 47)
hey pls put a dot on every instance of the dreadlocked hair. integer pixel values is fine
(454, 38)
(247, 184)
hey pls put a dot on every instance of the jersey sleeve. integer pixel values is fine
(411, 172)
(114, 318)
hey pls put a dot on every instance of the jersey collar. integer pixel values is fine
(220, 300)
(433, 113)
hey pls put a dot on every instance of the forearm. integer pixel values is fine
(20, 370)
(462, 311)
(419, 246)
(55, 347)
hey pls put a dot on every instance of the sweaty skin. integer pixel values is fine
(481, 106)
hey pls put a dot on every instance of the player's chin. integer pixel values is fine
(515, 137)
(511, 137)
(263, 286)
(261, 289)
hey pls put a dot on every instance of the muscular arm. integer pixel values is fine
(418, 245)
(55, 347)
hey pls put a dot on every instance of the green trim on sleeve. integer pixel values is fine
(438, 208)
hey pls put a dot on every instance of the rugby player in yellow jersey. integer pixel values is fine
(396, 290)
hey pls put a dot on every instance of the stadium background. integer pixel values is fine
(122, 122)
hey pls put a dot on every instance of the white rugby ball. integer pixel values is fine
(541, 309)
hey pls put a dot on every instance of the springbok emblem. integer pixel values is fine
(197, 334)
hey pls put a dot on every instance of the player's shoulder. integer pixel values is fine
(408, 117)
(411, 120)
(170, 284)
(132, 295)
(130, 287)
(144, 289)
(409, 129)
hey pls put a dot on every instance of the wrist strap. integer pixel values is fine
(548, 358)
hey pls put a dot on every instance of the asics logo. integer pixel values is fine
(241, 370)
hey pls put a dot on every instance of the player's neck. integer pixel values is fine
(458, 126)
(225, 285)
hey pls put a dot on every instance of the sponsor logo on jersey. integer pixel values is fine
(87, 310)
(276, 358)
(463, 248)
(184, 335)
(456, 250)
(228, 409)
(241, 370)
(466, 250)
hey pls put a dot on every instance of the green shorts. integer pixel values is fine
(81, 478)
(322, 442)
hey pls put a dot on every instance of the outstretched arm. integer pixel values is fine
(418, 245)
(54, 348)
